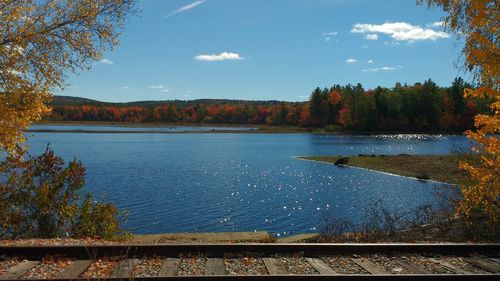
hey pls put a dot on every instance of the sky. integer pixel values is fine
(269, 50)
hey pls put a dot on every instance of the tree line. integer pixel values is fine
(420, 107)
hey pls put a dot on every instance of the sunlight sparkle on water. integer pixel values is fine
(410, 136)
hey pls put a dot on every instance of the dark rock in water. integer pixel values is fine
(342, 161)
(423, 177)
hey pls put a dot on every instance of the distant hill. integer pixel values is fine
(67, 100)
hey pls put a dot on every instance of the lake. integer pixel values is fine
(240, 182)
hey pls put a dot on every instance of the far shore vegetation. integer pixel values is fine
(421, 107)
(443, 168)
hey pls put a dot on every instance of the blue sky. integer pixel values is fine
(268, 49)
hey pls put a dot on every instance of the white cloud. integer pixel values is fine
(383, 68)
(219, 57)
(371, 36)
(303, 97)
(400, 31)
(329, 35)
(391, 43)
(437, 24)
(157, 87)
(106, 61)
(370, 61)
(186, 8)
(165, 90)
(125, 88)
(351, 60)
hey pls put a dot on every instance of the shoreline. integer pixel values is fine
(170, 238)
(138, 125)
(375, 171)
(439, 169)
(247, 128)
(254, 131)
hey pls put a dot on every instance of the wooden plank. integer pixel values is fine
(321, 266)
(413, 267)
(299, 238)
(124, 269)
(274, 266)
(451, 267)
(370, 266)
(75, 269)
(170, 267)
(215, 266)
(484, 264)
(18, 270)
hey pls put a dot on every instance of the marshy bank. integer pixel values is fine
(441, 168)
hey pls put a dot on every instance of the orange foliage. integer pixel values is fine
(343, 118)
(39, 41)
(478, 22)
(334, 97)
(305, 116)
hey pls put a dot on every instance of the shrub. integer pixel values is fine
(336, 229)
(40, 198)
(426, 222)
(96, 220)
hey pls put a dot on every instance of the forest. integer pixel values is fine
(422, 107)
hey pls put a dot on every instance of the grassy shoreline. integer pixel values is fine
(137, 125)
(251, 128)
(442, 168)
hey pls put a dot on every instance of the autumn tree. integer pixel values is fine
(39, 41)
(333, 104)
(478, 23)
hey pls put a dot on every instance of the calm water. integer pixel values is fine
(240, 182)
